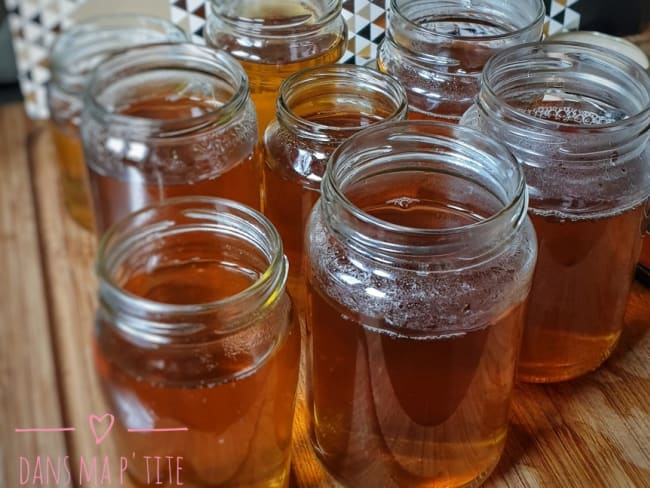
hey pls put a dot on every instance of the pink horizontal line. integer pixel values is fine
(173, 429)
(54, 429)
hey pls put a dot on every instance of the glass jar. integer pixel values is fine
(419, 260)
(75, 53)
(437, 48)
(317, 110)
(273, 39)
(196, 344)
(577, 119)
(169, 120)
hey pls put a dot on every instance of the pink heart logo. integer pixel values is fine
(95, 421)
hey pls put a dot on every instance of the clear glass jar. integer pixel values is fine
(273, 39)
(169, 120)
(196, 344)
(419, 260)
(577, 119)
(317, 110)
(75, 53)
(437, 48)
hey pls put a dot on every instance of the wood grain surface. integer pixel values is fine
(591, 432)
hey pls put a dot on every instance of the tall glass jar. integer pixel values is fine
(317, 110)
(196, 344)
(74, 55)
(437, 48)
(419, 260)
(169, 120)
(273, 39)
(577, 119)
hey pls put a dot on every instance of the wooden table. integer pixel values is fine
(593, 432)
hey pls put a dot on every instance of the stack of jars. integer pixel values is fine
(424, 260)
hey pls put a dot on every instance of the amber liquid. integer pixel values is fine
(115, 197)
(237, 408)
(585, 268)
(76, 196)
(290, 193)
(265, 76)
(584, 272)
(645, 253)
(410, 407)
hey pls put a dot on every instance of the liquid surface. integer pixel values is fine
(559, 107)
(237, 405)
(582, 280)
(164, 170)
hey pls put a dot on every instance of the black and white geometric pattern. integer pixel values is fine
(35, 23)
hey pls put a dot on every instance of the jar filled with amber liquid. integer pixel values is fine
(273, 39)
(74, 55)
(197, 346)
(169, 120)
(317, 110)
(437, 48)
(420, 257)
(577, 118)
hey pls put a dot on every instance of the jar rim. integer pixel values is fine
(80, 42)
(511, 212)
(255, 25)
(365, 79)
(188, 56)
(538, 18)
(608, 58)
(121, 241)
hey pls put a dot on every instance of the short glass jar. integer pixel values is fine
(437, 48)
(196, 343)
(318, 109)
(577, 118)
(169, 120)
(273, 39)
(420, 257)
(74, 54)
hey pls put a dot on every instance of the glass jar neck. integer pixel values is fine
(197, 88)
(79, 50)
(577, 119)
(458, 168)
(189, 232)
(328, 104)
(607, 95)
(420, 27)
(265, 18)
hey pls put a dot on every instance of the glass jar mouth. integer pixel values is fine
(397, 6)
(558, 62)
(189, 214)
(354, 87)
(80, 49)
(435, 147)
(285, 23)
(189, 59)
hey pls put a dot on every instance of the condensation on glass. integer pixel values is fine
(438, 48)
(75, 53)
(273, 39)
(577, 119)
(196, 344)
(318, 109)
(420, 257)
(169, 120)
